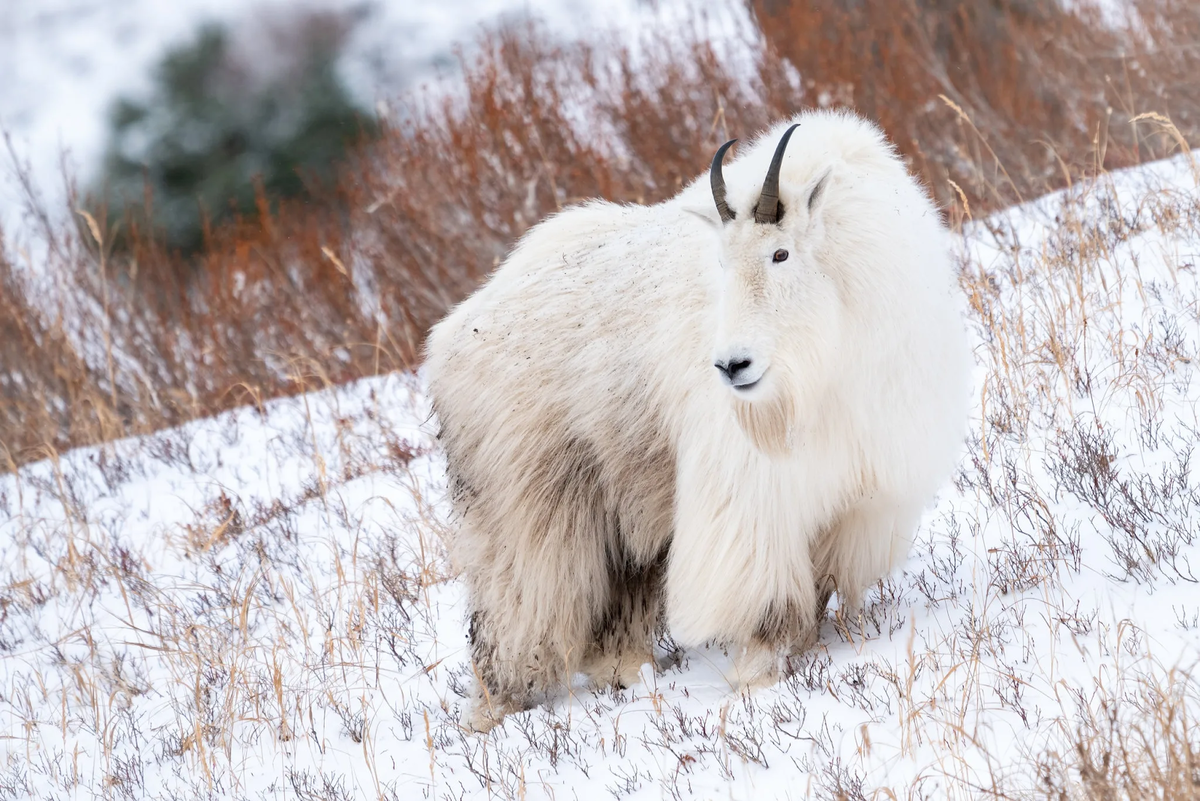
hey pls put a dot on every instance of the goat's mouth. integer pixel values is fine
(749, 385)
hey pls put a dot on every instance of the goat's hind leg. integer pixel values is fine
(532, 623)
(499, 689)
(623, 635)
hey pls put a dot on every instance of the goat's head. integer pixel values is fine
(771, 286)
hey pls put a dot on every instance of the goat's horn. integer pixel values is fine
(718, 183)
(767, 210)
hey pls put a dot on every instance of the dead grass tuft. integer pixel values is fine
(1144, 744)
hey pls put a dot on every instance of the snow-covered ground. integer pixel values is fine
(258, 605)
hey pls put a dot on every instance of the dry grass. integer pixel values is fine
(1141, 745)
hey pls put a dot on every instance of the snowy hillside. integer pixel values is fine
(258, 606)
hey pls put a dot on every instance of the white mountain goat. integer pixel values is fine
(704, 415)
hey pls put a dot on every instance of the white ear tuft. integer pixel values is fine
(817, 192)
(709, 215)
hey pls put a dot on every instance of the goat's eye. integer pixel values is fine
(780, 255)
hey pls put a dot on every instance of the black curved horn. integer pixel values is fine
(767, 210)
(718, 183)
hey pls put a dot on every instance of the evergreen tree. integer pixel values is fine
(221, 118)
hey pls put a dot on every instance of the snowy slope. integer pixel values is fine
(257, 605)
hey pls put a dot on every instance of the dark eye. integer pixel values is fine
(780, 255)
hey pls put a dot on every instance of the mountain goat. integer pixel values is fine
(709, 413)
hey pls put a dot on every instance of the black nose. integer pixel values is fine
(733, 368)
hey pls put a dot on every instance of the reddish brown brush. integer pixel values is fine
(1001, 100)
(1006, 99)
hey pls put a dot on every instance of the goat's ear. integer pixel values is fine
(817, 187)
(707, 213)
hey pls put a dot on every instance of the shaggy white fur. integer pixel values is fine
(608, 478)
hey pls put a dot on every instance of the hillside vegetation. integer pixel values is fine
(106, 330)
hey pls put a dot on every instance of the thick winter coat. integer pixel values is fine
(710, 413)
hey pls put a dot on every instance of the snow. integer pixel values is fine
(258, 605)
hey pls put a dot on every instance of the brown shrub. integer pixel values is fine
(46, 387)
(1007, 98)
(309, 294)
